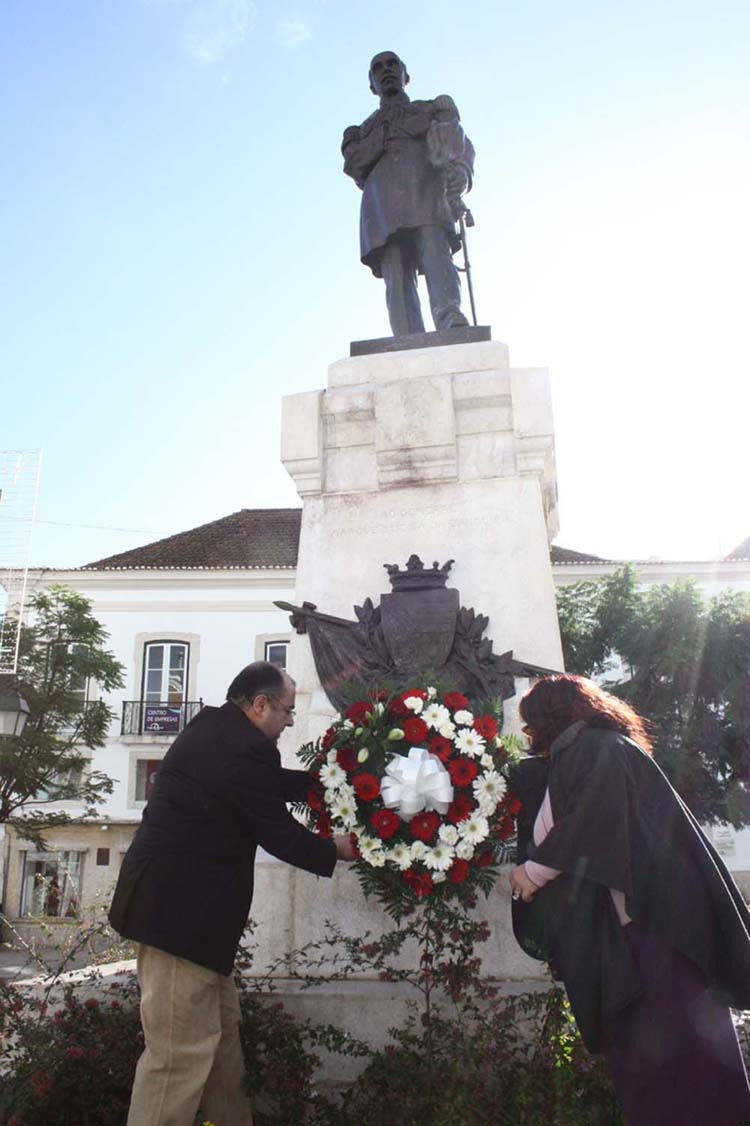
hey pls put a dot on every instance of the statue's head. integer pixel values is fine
(388, 75)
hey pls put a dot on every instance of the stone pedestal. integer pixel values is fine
(447, 452)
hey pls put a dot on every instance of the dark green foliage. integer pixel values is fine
(60, 654)
(521, 1063)
(70, 1061)
(466, 1056)
(685, 667)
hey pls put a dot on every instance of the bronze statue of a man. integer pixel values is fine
(413, 162)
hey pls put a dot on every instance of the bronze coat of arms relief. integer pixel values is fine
(419, 628)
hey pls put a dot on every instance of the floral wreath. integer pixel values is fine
(420, 780)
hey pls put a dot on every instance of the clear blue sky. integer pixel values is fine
(179, 247)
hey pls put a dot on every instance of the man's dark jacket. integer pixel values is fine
(186, 882)
(618, 823)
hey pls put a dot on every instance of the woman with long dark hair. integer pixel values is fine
(620, 891)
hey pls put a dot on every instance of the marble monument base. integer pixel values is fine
(446, 452)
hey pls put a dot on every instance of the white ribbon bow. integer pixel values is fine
(415, 782)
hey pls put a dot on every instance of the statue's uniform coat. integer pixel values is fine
(388, 157)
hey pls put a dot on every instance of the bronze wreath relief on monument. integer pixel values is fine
(419, 627)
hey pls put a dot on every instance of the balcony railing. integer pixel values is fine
(146, 717)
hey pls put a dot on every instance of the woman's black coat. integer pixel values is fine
(618, 823)
(186, 882)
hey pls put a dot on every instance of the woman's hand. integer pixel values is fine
(521, 886)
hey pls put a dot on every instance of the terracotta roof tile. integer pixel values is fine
(251, 538)
(566, 555)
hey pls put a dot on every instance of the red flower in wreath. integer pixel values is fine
(458, 871)
(441, 747)
(505, 827)
(483, 859)
(415, 730)
(328, 739)
(385, 823)
(358, 713)
(398, 707)
(456, 701)
(314, 798)
(513, 805)
(424, 826)
(463, 771)
(420, 883)
(486, 726)
(460, 808)
(366, 786)
(325, 825)
(346, 757)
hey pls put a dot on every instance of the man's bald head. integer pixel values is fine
(388, 74)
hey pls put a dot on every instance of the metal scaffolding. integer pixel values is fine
(19, 486)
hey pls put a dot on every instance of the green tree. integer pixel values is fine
(61, 659)
(683, 662)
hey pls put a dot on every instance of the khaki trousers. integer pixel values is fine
(193, 1058)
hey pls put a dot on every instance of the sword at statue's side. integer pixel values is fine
(466, 219)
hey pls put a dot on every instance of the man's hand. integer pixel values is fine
(521, 885)
(345, 849)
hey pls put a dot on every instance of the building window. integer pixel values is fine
(165, 670)
(54, 788)
(79, 684)
(275, 652)
(51, 884)
(102, 857)
(145, 772)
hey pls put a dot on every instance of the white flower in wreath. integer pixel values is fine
(400, 855)
(332, 776)
(344, 811)
(470, 742)
(435, 715)
(488, 789)
(378, 708)
(448, 730)
(414, 704)
(346, 791)
(474, 829)
(376, 859)
(448, 834)
(368, 846)
(464, 850)
(463, 718)
(439, 858)
(418, 850)
(431, 692)
(332, 756)
(347, 725)
(439, 877)
(487, 761)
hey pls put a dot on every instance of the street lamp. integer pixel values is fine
(14, 710)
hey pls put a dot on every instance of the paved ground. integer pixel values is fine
(17, 964)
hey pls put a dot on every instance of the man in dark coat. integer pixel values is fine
(185, 889)
(413, 162)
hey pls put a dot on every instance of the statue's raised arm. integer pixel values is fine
(413, 162)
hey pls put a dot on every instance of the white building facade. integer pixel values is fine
(183, 616)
